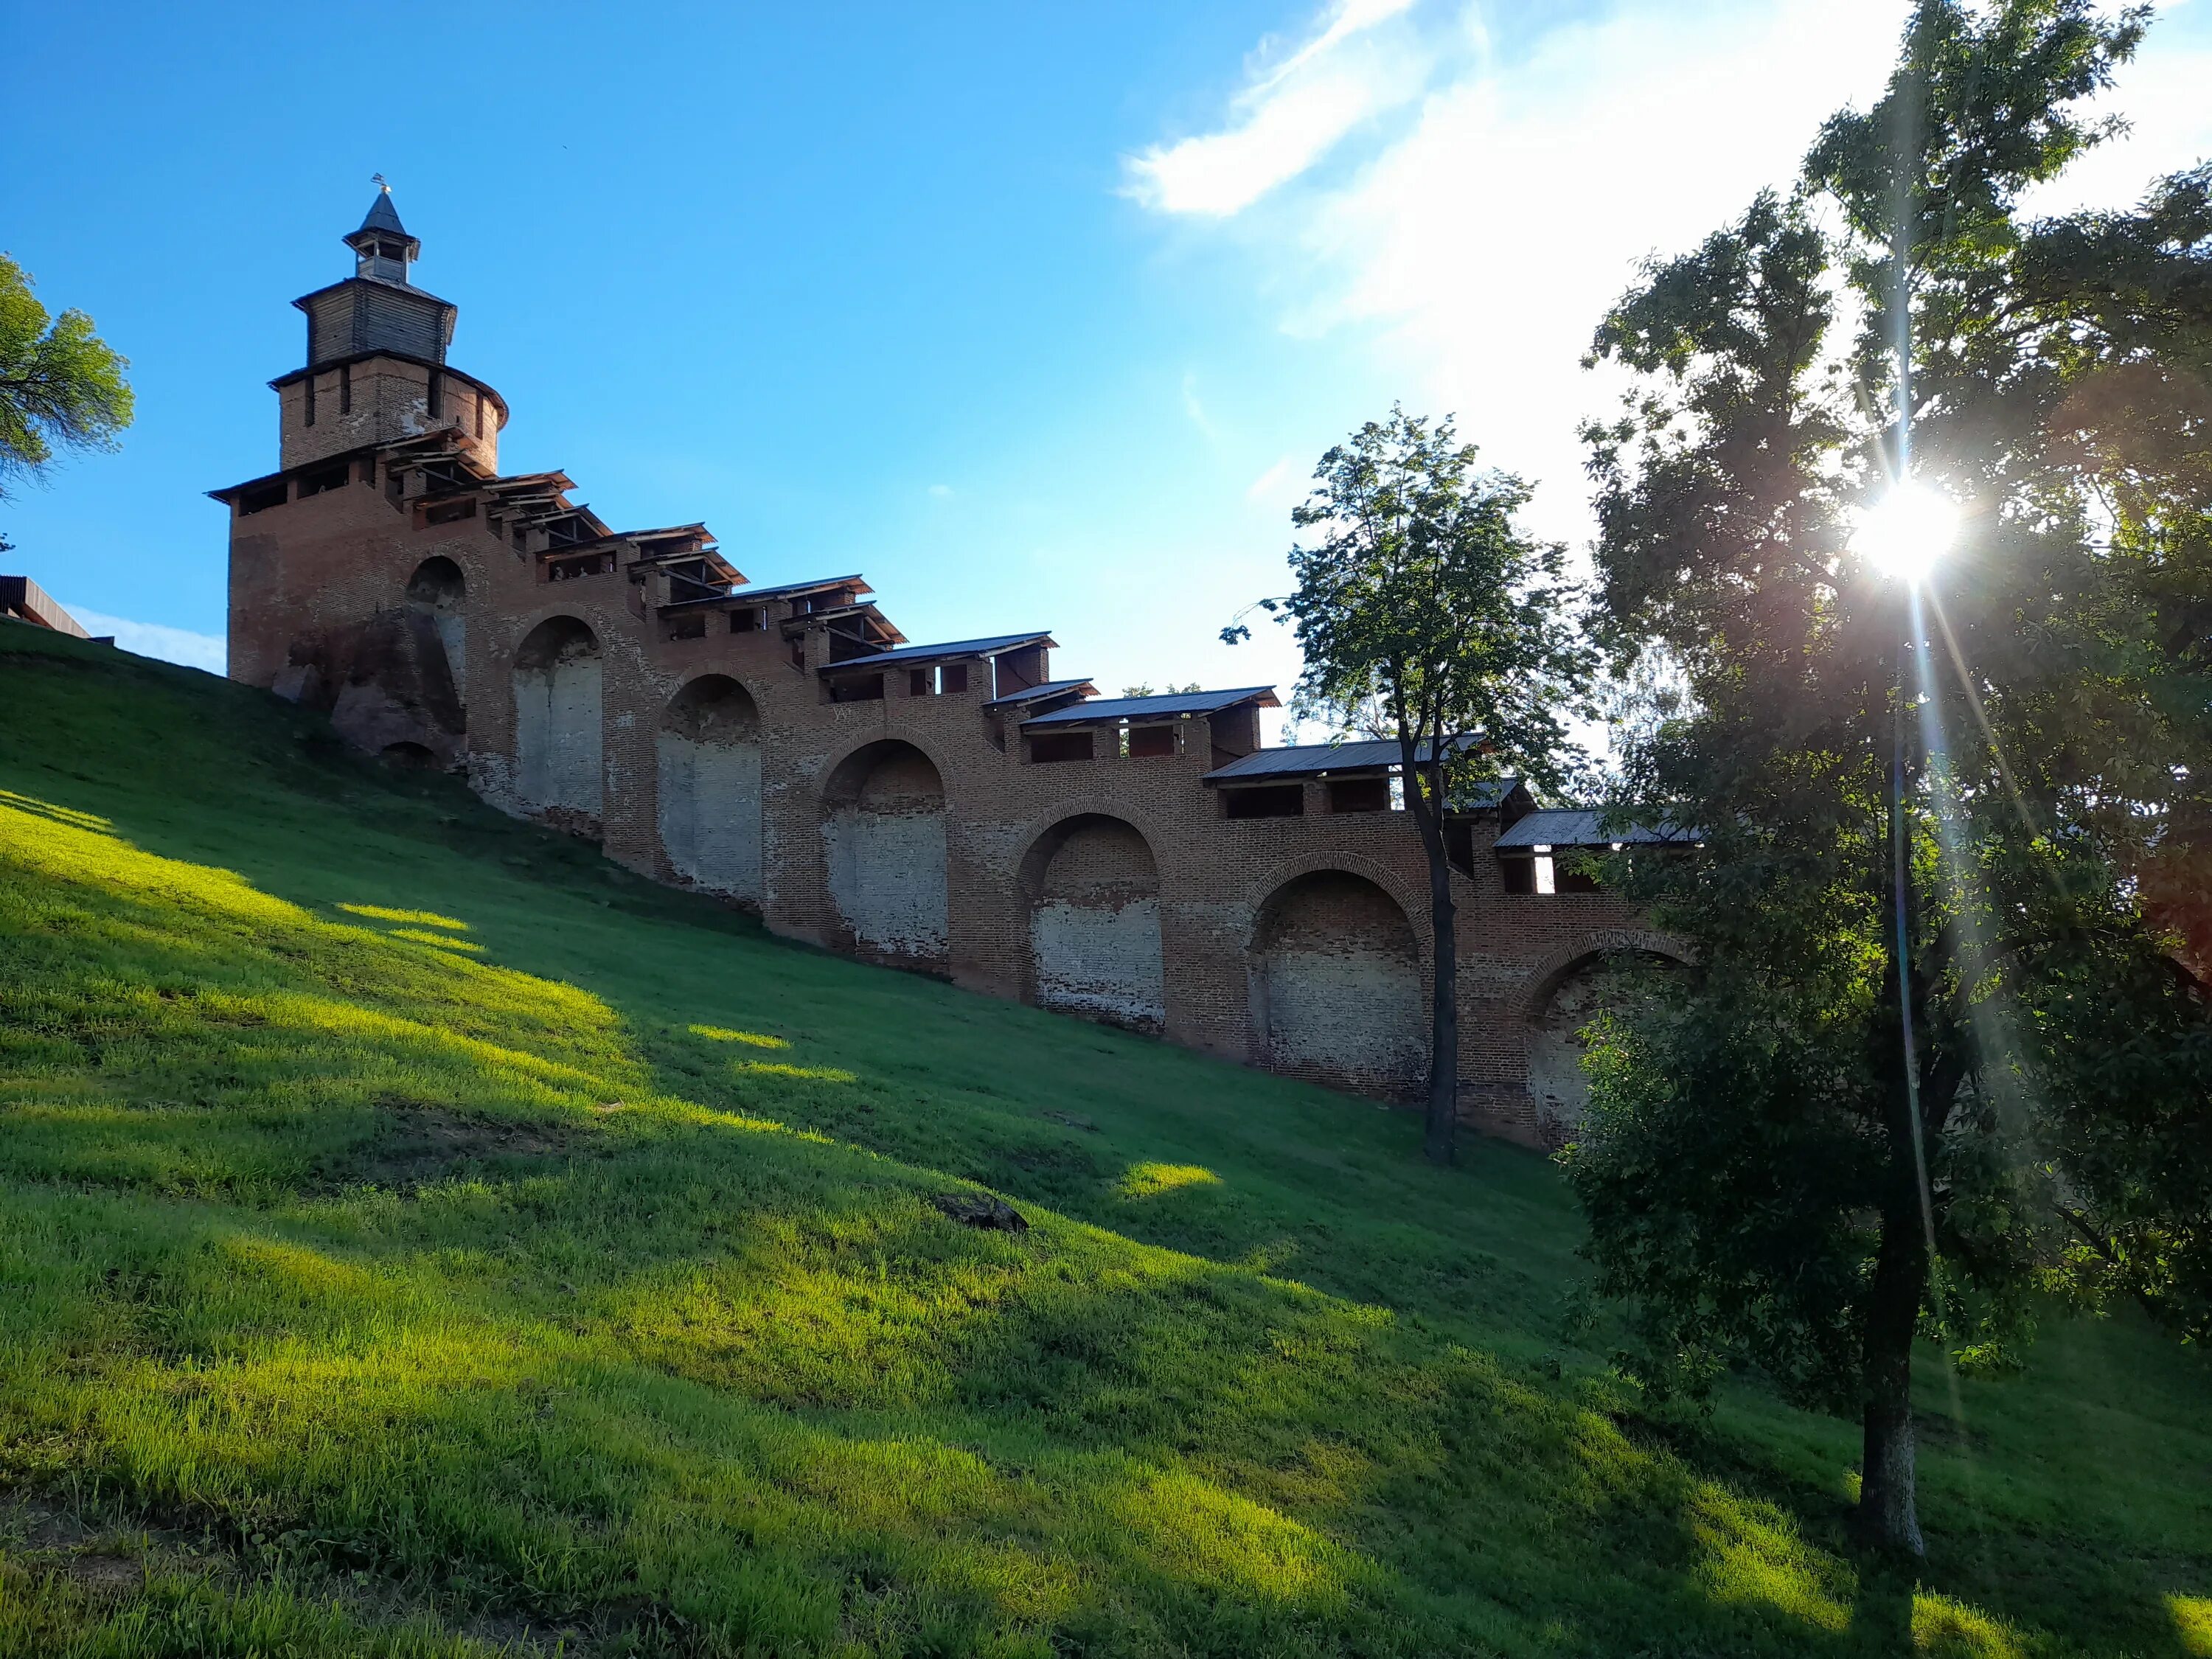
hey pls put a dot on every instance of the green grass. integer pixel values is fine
(419, 1236)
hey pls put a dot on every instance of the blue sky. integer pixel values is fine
(1038, 315)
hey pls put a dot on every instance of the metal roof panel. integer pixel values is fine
(1178, 702)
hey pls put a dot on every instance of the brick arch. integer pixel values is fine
(1090, 888)
(606, 627)
(1031, 835)
(886, 857)
(706, 787)
(556, 670)
(1556, 967)
(1339, 980)
(826, 779)
(1568, 992)
(1277, 877)
(692, 681)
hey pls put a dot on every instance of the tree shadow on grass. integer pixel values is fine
(272, 1038)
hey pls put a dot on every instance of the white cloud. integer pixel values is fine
(941, 490)
(1278, 484)
(1289, 116)
(178, 645)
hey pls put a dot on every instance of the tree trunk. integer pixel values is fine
(1425, 801)
(1888, 1516)
(1441, 1141)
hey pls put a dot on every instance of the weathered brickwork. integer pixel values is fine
(736, 740)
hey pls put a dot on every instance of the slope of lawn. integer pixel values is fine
(419, 1236)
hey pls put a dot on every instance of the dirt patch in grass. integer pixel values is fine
(414, 1146)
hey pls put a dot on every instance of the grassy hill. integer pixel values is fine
(419, 1236)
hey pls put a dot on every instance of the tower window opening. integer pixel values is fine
(345, 388)
(437, 393)
(921, 682)
(479, 416)
(307, 401)
(1280, 800)
(954, 677)
(261, 499)
(324, 478)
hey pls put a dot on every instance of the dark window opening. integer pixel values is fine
(1520, 874)
(521, 538)
(1152, 740)
(798, 653)
(262, 497)
(325, 477)
(1459, 847)
(1279, 800)
(921, 682)
(307, 401)
(368, 470)
(954, 678)
(345, 388)
(592, 564)
(1571, 874)
(1359, 795)
(450, 512)
(479, 418)
(1061, 746)
(395, 483)
(745, 622)
(687, 627)
(868, 688)
(437, 392)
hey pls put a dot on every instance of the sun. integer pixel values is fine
(1906, 533)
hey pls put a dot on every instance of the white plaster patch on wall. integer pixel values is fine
(1101, 960)
(887, 880)
(454, 635)
(1354, 1013)
(1556, 1079)
(1340, 991)
(556, 730)
(710, 812)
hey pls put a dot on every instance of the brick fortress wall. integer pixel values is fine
(403, 586)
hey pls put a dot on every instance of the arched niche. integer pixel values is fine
(1338, 991)
(557, 738)
(883, 833)
(1600, 982)
(709, 759)
(1093, 891)
(437, 590)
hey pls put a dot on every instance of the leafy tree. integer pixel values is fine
(60, 385)
(1425, 613)
(1937, 1065)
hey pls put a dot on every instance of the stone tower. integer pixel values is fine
(376, 369)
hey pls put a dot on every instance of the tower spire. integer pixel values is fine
(382, 248)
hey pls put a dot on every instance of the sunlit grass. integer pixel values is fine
(444, 941)
(506, 1291)
(2192, 1622)
(419, 918)
(722, 1034)
(1145, 1179)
